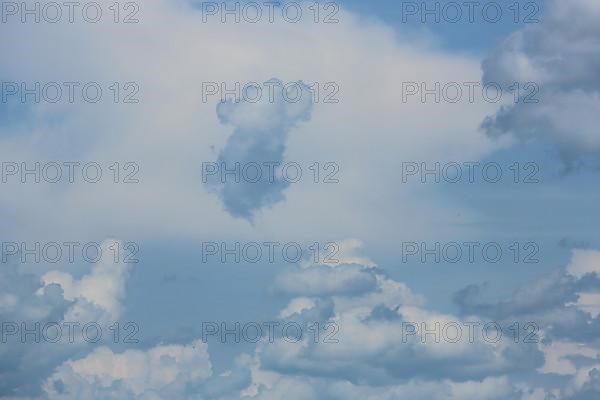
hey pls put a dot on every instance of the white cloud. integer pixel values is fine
(584, 262)
(103, 286)
(296, 306)
(557, 356)
(373, 345)
(132, 374)
(277, 386)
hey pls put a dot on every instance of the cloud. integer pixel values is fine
(33, 303)
(173, 371)
(368, 134)
(370, 347)
(103, 287)
(61, 370)
(564, 306)
(161, 372)
(259, 139)
(366, 59)
(559, 356)
(561, 56)
(585, 385)
(23, 300)
(342, 252)
(564, 303)
(278, 386)
(327, 281)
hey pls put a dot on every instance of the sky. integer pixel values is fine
(336, 200)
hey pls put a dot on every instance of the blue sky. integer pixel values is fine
(462, 35)
(158, 181)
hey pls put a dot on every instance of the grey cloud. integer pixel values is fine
(31, 302)
(371, 349)
(590, 389)
(260, 136)
(561, 55)
(22, 365)
(548, 302)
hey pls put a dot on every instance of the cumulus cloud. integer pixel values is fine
(32, 303)
(39, 369)
(103, 288)
(563, 303)
(561, 55)
(157, 373)
(174, 371)
(374, 351)
(258, 145)
(171, 123)
(372, 344)
(23, 300)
